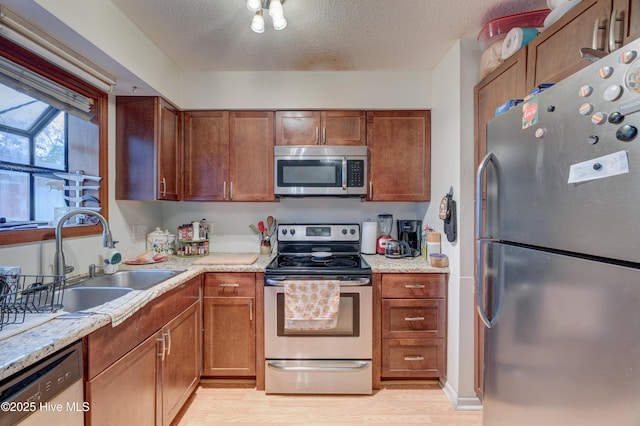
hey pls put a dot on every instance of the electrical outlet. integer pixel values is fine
(139, 232)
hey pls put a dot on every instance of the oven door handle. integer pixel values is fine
(357, 366)
(279, 282)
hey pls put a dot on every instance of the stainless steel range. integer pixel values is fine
(321, 349)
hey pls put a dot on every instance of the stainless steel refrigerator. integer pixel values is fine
(558, 252)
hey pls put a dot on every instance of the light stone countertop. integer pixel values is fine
(23, 349)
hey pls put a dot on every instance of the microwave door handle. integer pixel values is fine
(344, 173)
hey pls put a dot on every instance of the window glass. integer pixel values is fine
(19, 110)
(14, 193)
(50, 144)
(14, 148)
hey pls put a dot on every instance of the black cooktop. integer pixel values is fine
(306, 263)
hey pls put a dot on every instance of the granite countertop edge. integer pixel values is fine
(24, 349)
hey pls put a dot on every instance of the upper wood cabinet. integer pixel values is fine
(506, 82)
(148, 161)
(206, 155)
(626, 20)
(251, 156)
(321, 127)
(555, 53)
(228, 156)
(399, 155)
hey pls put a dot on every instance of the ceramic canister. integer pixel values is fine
(158, 241)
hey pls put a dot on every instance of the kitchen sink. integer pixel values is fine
(134, 279)
(80, 298)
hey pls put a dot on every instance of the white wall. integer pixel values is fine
(452, 167)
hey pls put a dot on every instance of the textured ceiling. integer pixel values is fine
(321, 35)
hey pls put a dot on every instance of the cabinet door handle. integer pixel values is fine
(230, 190)
(596, 28)
(164, 347)
(414, 358)
(228, 285)
(612, 30)
(414, 319)
(370, 189)
(414, 286)
(317, 135)
(168, 334)
(250, 310)
(164, 187)
(224, 190)
(324, 135)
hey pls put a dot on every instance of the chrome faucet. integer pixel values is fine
(59, 267)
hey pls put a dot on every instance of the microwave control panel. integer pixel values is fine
(355, 173)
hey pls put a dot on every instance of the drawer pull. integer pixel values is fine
(414, 358)
(229, 285)
(414, 286)
(414, 319)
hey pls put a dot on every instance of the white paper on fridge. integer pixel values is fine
(599, 168)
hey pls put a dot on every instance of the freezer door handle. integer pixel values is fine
(489, 323)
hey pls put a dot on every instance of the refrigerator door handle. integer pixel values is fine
(482, 168)
(481, 240)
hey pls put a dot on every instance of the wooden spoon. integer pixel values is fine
(269, 224)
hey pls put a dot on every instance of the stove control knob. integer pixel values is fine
(292, 232)
(284, 231)
(344, 231)
(352, 232)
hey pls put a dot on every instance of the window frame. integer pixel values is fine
(39, 65)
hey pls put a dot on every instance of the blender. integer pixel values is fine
(385, 224)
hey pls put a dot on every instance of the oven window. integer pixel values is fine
(312, 173)
(348, 319)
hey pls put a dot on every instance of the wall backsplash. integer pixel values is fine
(231, 220)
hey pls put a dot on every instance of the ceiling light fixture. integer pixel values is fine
(276, 12)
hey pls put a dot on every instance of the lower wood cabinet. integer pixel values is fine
(229, 325)
(143, 371)
(413, 326)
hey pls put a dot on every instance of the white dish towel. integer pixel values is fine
(311, 305)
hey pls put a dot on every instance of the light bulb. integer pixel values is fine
(254, 5)
(279, 23)
(257, 23)
(275, 9)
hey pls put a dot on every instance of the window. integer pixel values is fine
(52, 130)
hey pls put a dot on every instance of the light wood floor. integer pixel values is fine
(216, 406)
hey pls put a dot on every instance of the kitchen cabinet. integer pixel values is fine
(148, 146)
(413, 326)
(228, 156)
(399, 155)
(555, 53)
(229, 325)
(626, 19)
(321, 127)
(505, 83)
(143, 370)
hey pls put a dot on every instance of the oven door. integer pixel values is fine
(351, 339)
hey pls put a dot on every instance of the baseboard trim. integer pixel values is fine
(461, 403)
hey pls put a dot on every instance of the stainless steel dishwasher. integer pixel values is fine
(49, 392)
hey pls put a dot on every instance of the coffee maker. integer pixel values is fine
(410, 231)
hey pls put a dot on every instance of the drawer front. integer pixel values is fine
(239, 284)
(412, 358)
(413, 318)
(411, 286)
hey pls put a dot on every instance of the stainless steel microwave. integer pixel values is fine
(309, 170)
